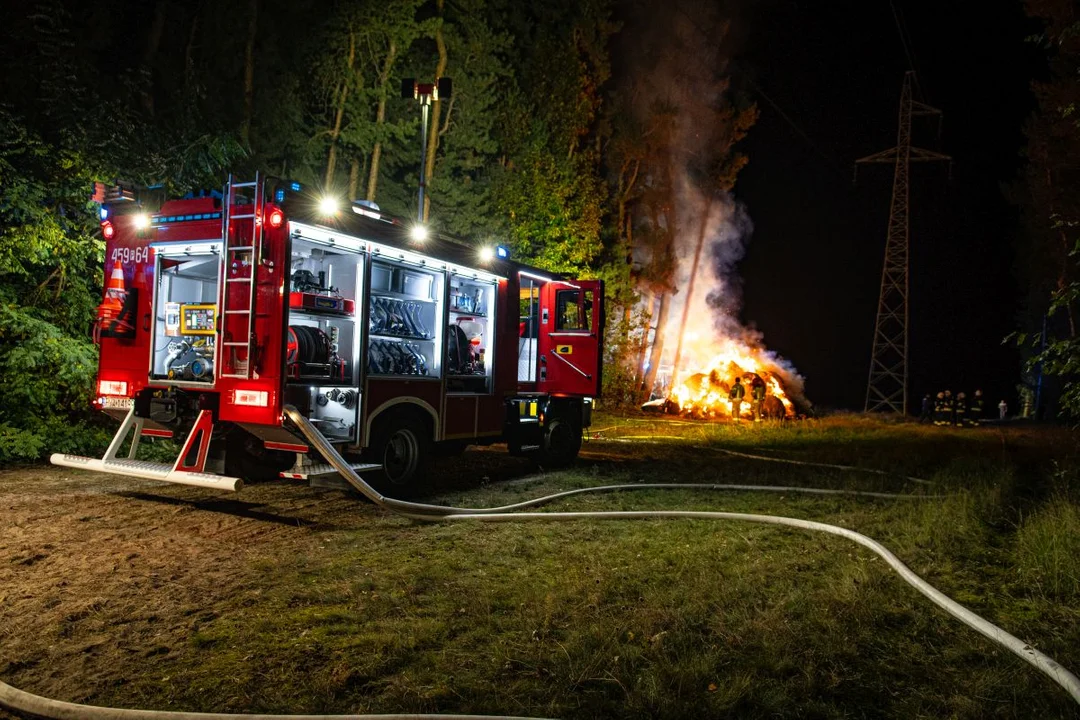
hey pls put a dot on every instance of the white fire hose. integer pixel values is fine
(19, 701)
(418, 511)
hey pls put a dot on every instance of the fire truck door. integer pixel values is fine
(571, 328)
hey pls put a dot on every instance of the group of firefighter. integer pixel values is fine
(757, 398)
(948, 411)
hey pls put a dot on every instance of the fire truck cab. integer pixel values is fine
(222, 310)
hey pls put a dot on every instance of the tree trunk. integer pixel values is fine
(189, 51)
(627, 354)
(339, 113)
(657, 347)
(380, 120)
(1066, 254)
(623, 225)
(249, 73)
(354, 178)
(690, 288)
(153, 43)
(643, 347)
(436, 107)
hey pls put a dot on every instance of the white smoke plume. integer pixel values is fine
(675, 59)
(713, 327)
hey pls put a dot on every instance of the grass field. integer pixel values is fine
(666, 618)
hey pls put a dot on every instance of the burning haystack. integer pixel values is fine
(704, 347)
(704, 393)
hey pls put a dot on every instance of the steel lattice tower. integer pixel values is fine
(887, 387)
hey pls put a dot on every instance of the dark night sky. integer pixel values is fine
(813, 267)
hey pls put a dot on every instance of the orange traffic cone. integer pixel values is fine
(112, 306)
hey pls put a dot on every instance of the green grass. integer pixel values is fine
(673, 618)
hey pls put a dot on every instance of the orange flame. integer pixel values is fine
(705, 393)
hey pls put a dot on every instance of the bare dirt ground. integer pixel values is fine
(98, 571)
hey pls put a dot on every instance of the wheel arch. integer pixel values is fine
(410, 405)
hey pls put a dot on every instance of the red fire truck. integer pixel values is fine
(223, 309)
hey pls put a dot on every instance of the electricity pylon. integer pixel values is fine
(887, 387)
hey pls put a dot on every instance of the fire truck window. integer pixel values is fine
(528, 329)
(587, 309)
(568, 315)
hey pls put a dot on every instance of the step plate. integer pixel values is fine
(148, 471)
(311, 471)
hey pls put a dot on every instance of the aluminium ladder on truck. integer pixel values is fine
(236, 248)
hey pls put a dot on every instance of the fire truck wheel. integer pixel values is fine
(562, 441)
(247, 458)
(403, 447)
(450, 448)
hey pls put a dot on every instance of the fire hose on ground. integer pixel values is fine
(736, 453)
(20, 701)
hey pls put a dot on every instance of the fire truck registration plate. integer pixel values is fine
(124, 403)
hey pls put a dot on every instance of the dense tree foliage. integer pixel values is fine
(535, 147)
(1049, 193)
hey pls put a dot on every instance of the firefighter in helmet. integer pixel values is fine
(757, 397)
(960, 410)
(939, 409)
(736, 395)
(976, 409)
(950, 409)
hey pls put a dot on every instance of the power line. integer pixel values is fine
(901, 29)
(794, 126)
(833, 162)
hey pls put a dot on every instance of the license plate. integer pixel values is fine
(122, 403)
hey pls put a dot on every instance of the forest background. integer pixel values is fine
(563, 139)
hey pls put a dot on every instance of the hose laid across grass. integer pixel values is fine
(435, 513)
(749, 456)
(853, 468)
(20, 701)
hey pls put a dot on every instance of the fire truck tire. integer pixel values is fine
(403, 447)
(562, 441)
(450, 448)
(247, 458)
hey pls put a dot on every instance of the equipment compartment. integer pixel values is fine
(331, 408)
(404, 320)
(186, 315)
(322, 342)
(470, 342)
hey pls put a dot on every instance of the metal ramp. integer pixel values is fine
(187, 470)
(324, 475)
(148, 470)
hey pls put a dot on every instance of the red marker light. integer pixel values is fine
(107, 230)
(275, 218)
